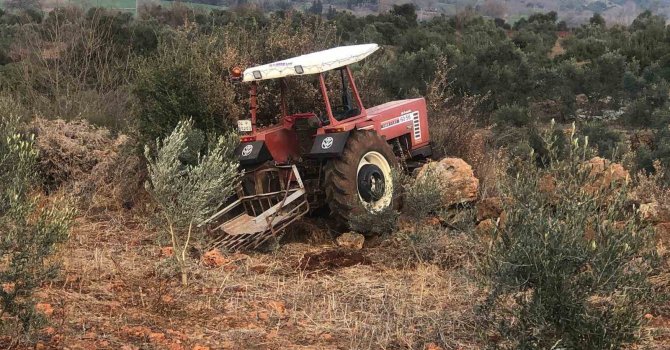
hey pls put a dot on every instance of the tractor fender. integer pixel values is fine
(329, 145)
(252, 153)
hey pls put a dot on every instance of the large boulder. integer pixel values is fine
(454, 178)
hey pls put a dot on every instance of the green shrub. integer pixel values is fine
(608, 142)
(544, 152)
(183, 80)
(568, 269)
(660, 151)
(422, 196)
(187, 194)
(513, 115)
(30, 229)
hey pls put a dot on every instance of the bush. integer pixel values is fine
(187, 194)
(513, 115)
(422, 196)
(183, 80)
(569, 267)
(31, 229)
(99, 169)
(608, 142)
(453, 119)
(659, 151)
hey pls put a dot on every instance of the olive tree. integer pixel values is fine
(189, 189)
(30, 231)
(569, 266)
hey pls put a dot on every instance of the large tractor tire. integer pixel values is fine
(361, 179)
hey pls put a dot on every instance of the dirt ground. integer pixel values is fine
(119, 290)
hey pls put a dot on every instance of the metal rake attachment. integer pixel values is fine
(252, 220)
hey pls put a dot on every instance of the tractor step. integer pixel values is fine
(252, 220)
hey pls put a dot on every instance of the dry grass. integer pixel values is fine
(418, 287)
(89, 163)
(118, 290)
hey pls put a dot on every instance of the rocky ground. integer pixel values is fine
(119, 287)
(118, 291)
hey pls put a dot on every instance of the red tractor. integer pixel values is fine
(341, 157)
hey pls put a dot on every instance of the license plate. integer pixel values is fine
(244, 125)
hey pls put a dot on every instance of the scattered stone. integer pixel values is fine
(137, 331)
(166, 252)
(261, 268)
(49, 331)
(278, 306)
(201, 347)
(581, 99)
(351, 240)
(214, 258)
(485, 227)
(262, 315)
(8, 287)
(433, 346)
(455, 179)
(44, 308)
(167, 299)
(273, 334)
(489, 208)
(156, 337)
(604, 174)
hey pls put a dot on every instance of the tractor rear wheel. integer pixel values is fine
(361, 179)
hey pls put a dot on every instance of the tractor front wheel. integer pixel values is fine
(361, 179)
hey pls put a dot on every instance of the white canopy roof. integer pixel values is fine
(312, 63)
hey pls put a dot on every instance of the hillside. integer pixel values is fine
(120, 5)
(452, 182)
(571, 11)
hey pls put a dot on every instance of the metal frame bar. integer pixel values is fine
(326, 100)
(271, 212)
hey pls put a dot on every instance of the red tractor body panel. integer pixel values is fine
(397, 118)
(391, 120)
